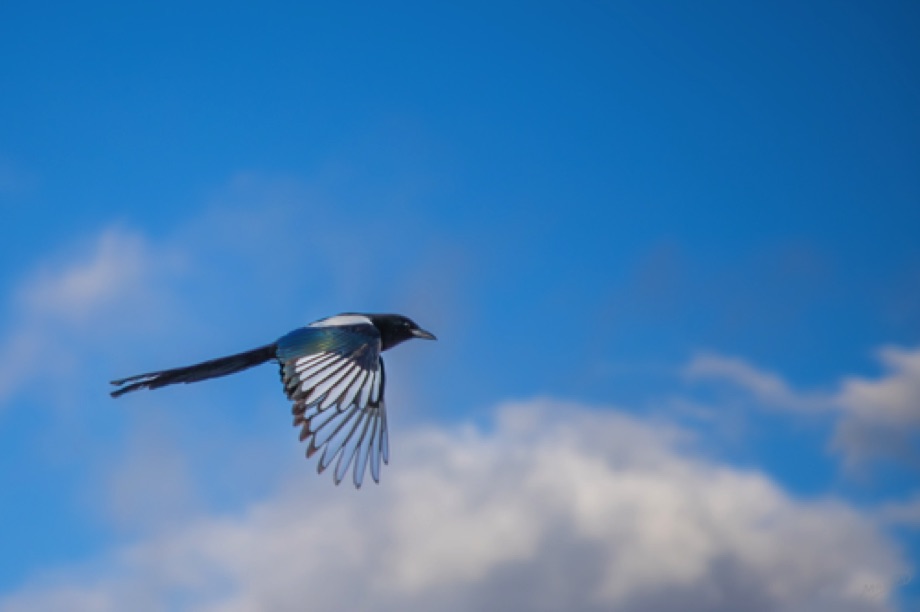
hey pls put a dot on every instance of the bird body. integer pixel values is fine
(333, 372)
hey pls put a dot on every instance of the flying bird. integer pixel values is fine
(333, 372)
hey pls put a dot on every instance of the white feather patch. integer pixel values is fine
(341, 320)
(375, 390)
(313, 364)
(353, 391)
(342, 383)
(364, 396)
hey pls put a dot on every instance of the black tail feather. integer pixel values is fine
(221, 366)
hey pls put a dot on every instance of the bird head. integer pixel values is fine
(395, 329)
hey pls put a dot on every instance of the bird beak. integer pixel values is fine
(421, 333)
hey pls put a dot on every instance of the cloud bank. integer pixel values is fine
(558, 506)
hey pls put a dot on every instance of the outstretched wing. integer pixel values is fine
(334, 375)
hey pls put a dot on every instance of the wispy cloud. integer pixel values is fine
(767, 387)
(117, 268)
(875, 417)
(559, 506)
(258, 236)
(72, 298)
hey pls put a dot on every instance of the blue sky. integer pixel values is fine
(693, 222)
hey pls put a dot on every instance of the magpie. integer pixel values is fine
(333, 372)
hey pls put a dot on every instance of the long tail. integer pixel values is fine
(221, 366)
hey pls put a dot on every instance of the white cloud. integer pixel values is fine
(894, 397)
(115, 281)
(117, 271)
(560, 507)
(882, 415)
(875, 417)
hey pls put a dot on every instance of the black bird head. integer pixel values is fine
(397, 328)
